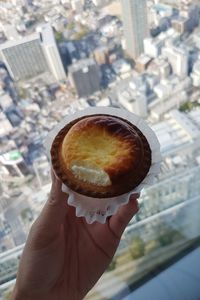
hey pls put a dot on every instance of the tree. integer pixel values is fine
(58, 36)
(151, 246)
(80, 34)
(169, 237)
(137, 248)
(70, 26)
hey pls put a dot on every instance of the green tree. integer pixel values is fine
(185, 107)
(151, 246)
(58, 36)
(70, 26)
(169, 237)
(137, 248)
(80, 34)
(22, 93)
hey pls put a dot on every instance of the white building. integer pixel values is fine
(153, 46)
(133, 98)
(171, 94)
(5, 101)
(179, 60)
(51, 52)
(160, 67)
(177, 129)
(33, 55)
(195, 75)
(12, 164)
(134, 15)
(5, 126)
(24, 58)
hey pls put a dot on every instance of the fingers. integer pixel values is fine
(120, 220)
(49, 222)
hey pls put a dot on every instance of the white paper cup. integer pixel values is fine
(94, 209)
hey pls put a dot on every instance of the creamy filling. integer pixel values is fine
(92, 176)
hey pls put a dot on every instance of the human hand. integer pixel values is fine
(64, 256)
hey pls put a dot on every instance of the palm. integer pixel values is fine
(64, 256)
(88, 250)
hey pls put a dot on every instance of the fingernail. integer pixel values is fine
(136, 204)
(135, 196)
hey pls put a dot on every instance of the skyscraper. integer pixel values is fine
(33, 55)
(134, 14)
(85, 77)
(51, 52)
(24, 58)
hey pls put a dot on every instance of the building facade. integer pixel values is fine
(134, 14)
(24, 58)
(51, 52)
(85, 77)
(33, 55)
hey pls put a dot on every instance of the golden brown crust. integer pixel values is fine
(124, 154)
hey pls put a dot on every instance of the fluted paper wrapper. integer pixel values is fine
(94, 209)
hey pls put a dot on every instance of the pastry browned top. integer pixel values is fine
(101, 156)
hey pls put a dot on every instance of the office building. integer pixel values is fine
(195, 75)
(179, 60)
(12, 164)
(51, 52)
(171, 93)
(134, 14)
(191, 13)
(85, 77)
(24, 58)
(33, 55)
(153, 47)
(160, 67)
(132, 95)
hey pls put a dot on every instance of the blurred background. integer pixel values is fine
(60, 56)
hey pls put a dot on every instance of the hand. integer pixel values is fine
(64, 256)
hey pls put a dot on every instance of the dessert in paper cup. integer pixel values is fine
(102, 156)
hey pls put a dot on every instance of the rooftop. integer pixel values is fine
(81, 64)
(29, 38)
(47, 36)
(177, 130)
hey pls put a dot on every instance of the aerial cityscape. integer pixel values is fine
(60, 56)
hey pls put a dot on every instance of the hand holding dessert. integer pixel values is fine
(64, 256)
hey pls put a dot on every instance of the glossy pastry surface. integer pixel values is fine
(101, 156)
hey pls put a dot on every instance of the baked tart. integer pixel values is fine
(101, 156)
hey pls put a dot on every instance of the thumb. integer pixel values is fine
(47, 225)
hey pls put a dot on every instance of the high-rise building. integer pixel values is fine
(33, 55)
(85, 77)
(24, 58)
(134, 14)
(51, 52)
